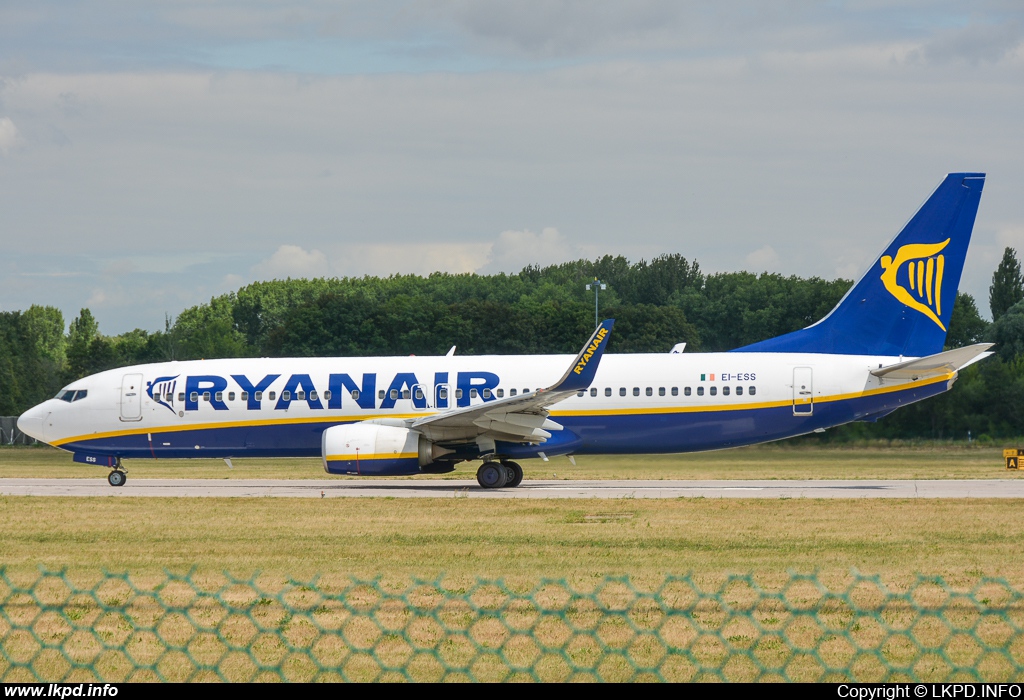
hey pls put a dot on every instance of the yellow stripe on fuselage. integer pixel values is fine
(753, 406)
(746, 406)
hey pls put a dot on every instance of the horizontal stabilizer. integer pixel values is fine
(935, 365)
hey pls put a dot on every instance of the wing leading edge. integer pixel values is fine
(522, 418)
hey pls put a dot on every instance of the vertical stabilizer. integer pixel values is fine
(903, 304)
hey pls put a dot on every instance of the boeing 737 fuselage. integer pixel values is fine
(880, 348)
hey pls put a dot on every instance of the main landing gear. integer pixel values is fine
(117, 475)
(496, 475)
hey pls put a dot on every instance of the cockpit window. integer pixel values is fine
(66, 395)
(81, 394)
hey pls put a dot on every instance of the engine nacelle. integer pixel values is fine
(372, 449)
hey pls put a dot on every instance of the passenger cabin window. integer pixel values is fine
(661, 391)
(300, 395)
(511, 392)
(231, 396)
(405, 394)
(181, 396)
(244, 396)
(686, 391)
(725, 391)
(394, 394)
(472, 393)
(168, 397)
(714, 390)
(194, 396)
(501, 393)
(271, 396)
(312, 396)
(650, 391)
(220, 397)
(675, 391)
(442, 394)
(739, 391)
(580, 393)
(700, 391)
(752, 390)
(487, 393)
(622, 391)
(636, 391)
(458, 393)
(593, 392)
(286, 396)
(380, 394)
(206, 396)
(419, 394)
(607, 391)
(258, 396)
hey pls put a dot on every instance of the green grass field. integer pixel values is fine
(565, 538)
(761, 462)
(577, 539)
(521, 541)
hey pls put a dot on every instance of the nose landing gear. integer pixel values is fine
(117, 475)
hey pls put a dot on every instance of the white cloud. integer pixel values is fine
(384, 259)
(514, 250)
(292, 261)
(8, 135)
(764, 259)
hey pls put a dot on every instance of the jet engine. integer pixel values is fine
(371, 449)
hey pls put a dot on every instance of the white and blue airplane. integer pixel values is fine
(879, 349)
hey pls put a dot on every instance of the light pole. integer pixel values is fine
(597, 285)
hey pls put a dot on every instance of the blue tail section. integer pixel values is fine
(903, 304)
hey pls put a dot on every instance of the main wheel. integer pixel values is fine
(491, 475)
(116, 478)
(515, 474)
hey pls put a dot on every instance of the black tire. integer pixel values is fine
(491, 475)
(515, 474)
(117, 478)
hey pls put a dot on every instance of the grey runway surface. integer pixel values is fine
(325, 488)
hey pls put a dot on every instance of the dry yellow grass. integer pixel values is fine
(645, 539)
(522, 542)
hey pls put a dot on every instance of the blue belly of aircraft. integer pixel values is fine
(635, 433)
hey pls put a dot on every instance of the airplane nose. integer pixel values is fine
(32, 421)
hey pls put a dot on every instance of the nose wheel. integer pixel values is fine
(117, 475)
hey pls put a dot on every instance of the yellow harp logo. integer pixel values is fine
(924, 268)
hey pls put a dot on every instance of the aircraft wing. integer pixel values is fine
(522, 418)
(935, 365)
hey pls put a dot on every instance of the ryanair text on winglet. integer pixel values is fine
(591, 349)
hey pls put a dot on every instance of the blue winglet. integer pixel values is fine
(582, 370)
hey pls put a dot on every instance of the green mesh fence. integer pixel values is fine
(192, 627)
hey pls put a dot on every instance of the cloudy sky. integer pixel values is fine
(155, 154)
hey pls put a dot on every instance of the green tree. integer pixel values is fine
(966, 326)
(83, 330)
(1007, 285)
(1007, 332)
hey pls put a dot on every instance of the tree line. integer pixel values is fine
(656, 304)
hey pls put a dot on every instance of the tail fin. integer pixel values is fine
(903, 304)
